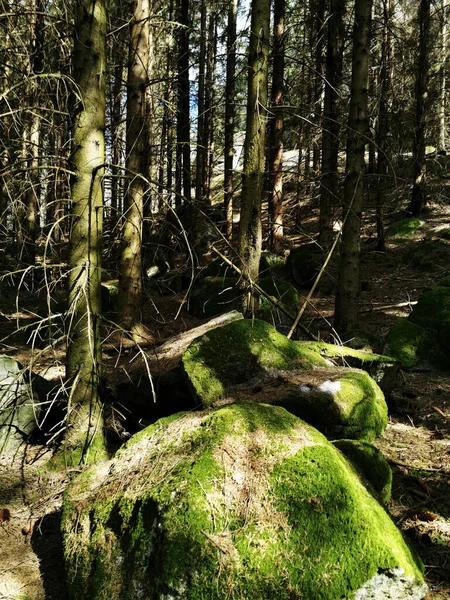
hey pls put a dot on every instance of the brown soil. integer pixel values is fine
(416, 442)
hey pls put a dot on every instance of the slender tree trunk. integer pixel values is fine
(384, 121)
(200, 164)
(331, 125)
(116, 130)
(347, 297)
(130, 284)
(250, 230)
(277, 129)
(84, 440)
(319, 42)
(230, 113)
(419, 198)
(210, 105)
(183, 166)
(441, 146)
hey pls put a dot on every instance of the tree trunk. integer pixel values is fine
(130, 284)
(183, 166)
(200, 164)
(347, 296)
(250, 230)
(331, 125)
(210, 108)
(384, 121)
(230, 113)
(441, 146)
(418, 198)
(277, 129)
(84, 435)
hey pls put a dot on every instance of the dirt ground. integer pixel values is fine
(416, 441)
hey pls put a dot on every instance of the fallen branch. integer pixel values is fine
(166, 356)
(262, 292)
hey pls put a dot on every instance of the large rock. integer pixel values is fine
(422, 340)
(19, 406)
(340, 402)
(241, 502)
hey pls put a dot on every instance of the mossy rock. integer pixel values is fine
(383, 369)
(404, 228)
(415, 347)
(217, 268)
(304, 263)
(370, 463)
(432, 312)
(237, 353)
(241, 502)
(429, 256)
(272, 265)
(341, 403)
(212, 296)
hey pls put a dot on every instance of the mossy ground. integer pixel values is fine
(404, 228)
(242, 502)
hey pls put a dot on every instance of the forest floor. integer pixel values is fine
(416, 441)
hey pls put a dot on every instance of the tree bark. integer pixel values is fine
(183, 165)
(230, 114)
(200, 164)
(130, 284)
(83, 441)
(277, 129)
(250, 229)
(347, 297)
(331, 124)
(419, 198)
(383, 121)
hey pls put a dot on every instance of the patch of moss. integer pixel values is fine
(364, 410)
(214, 295)
(245, 501)
(432, 311)
(341, 550)
(238, 352)
(74, 457)
(404, 228)
(429, 256)
(415, 347)
(344, 352)
(272, 266)
(370, 464)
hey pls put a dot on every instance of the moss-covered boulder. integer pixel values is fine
(340, 402)
(239, 352)
(19, 405)
(272, 265)
(370, 463)
(383, 369)
(304, 263)
(241, 502)
(422, 340)
(405, 228)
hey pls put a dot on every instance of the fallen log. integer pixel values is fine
(150, 362)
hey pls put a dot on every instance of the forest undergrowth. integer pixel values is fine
(416, 442)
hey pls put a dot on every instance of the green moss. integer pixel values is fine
(370, 464)
(238, 352)
(344, 352)
(429, 256)
(363, 408)
(74, 457)
(272, 265)
(432, 311)
(241, 502)
(415, 347)
(404, 228)
(340, 551)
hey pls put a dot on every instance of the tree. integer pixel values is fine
(418, 198)
(250, 228)
(83, 440)
(230, 113)
(331, 124)
(183, 161)
(130, 287)
(276, 129)
(347, 296)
